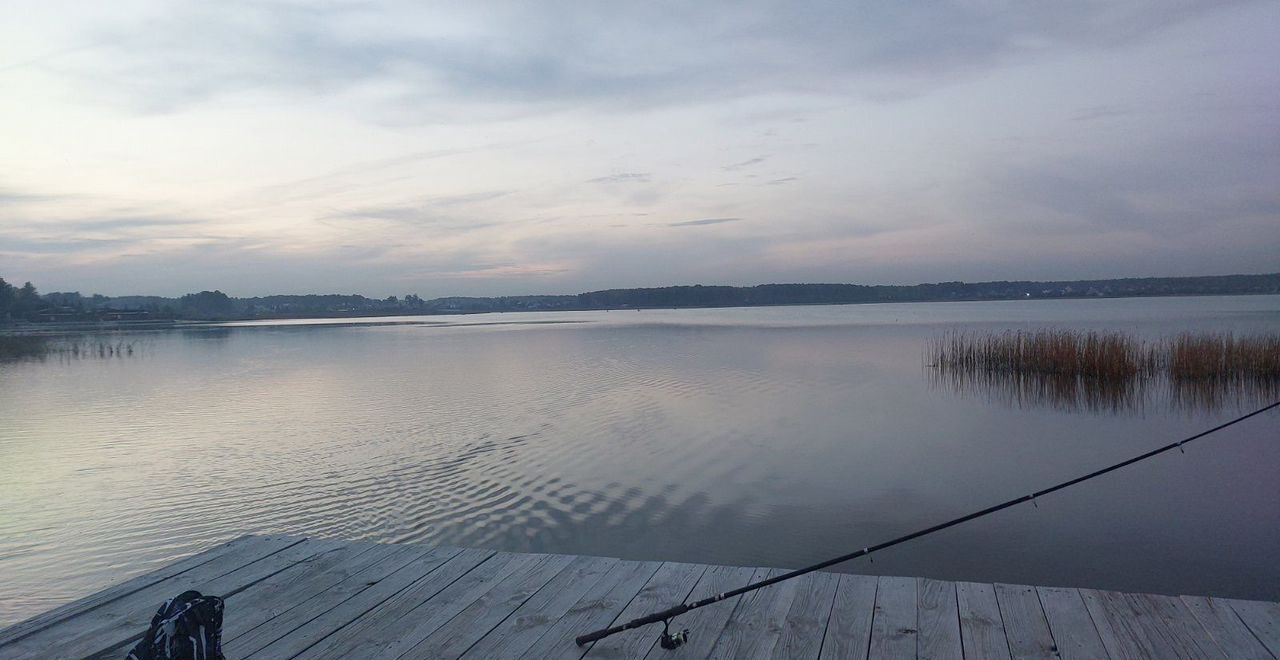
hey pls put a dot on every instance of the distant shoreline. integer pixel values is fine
(42, 327)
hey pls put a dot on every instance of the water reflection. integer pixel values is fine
(761, 437)
(67, 348)
(1138, 394)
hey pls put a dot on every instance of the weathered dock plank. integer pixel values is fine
(939, 621)
(118, 621)
(599, 607)
(1069, 621)
(1226, 628)
(671, 584)
(298, 627)
(450, 589)
(1262, 619)
(806, 621)
(755, 626)
(340, 618)
(1025, 626)
(535, 616)
(981, 626)
(485, 613)
(893, 623)
(705, 625)
(248, 546)
(1117, 626)
(291, 597)
(849, 628)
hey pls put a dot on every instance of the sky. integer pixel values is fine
(525, 147)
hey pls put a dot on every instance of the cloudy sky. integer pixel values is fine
(528, 147)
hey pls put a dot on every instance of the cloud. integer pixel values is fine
(433, 210)
(615, 52)
(476, 143)
(1101, 112)
(8, 197)
(746, 163)
(703, 222)
(625, 177)
(114, 224)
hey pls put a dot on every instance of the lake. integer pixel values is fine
(759, 436)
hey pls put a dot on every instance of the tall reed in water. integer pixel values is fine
(1110, 355)
(1223, 355)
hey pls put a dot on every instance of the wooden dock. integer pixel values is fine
(294, 597)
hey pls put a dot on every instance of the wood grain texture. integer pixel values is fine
(484, 614)
(939, 621)
(705, 624)
(668, 587)
(299, 627)
(598, 608)
(1025, 626)
(755, 626)
(849, 628)
(244, 545)
(1262, 619)
(805, 625)
(117, 622)
(893, 623)
(1226, 628)
(1117, 625)
(290, 597)
(1069, 621)
(410, 616)
(981, 626)
(535, 616)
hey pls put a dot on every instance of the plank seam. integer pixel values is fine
(624, 607)
(302, 602)
(1000, 612)
(959, 623)
(354, 594)
(158, 580)
(826, 625)
(615, 617)
(229, 594)
(693, 582)
(516, 609)
(871, 627)
(1044, 612)
(389, 597)
(1248, 627)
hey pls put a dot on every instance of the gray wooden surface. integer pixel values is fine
(293, 597)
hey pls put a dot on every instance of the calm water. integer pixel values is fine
(774, 436)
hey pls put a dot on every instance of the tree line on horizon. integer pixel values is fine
(25, 303)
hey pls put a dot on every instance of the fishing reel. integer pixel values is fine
(670, 640)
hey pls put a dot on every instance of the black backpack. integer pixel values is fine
(188, 627)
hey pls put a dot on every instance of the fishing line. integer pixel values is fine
(672, 640)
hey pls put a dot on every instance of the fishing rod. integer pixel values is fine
(670, 640)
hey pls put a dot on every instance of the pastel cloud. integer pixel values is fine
(517, 147)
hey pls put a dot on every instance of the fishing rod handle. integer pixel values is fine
(583, 640)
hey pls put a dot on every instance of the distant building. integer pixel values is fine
(123, 314)
(55, 314)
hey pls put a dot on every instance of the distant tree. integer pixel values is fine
(27, 299)
(207, 305)
(7, 296)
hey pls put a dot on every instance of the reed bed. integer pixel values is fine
(1201, 356)
(40, 347)
(1110, 355)
(16, 347)
(1075, 370)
